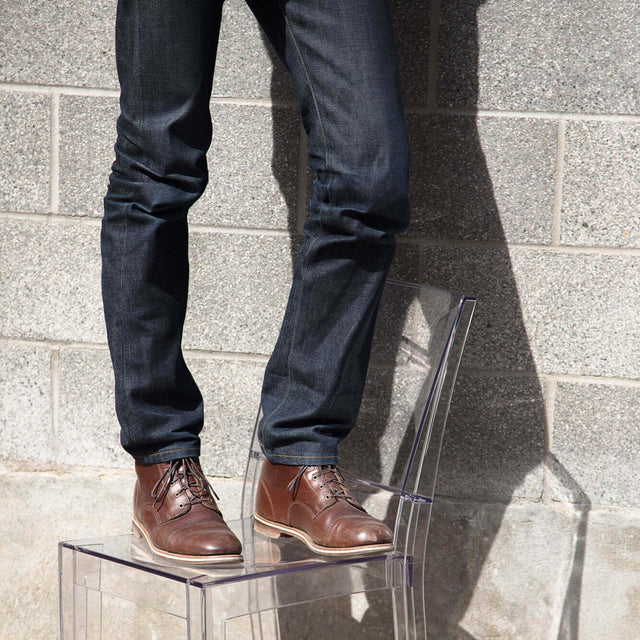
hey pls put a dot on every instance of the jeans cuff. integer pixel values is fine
(172, 453)
(289, 455)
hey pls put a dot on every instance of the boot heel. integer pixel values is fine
(268, 530)
(136, 531)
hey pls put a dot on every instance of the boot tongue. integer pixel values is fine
(190, 478)
(182, 486)
(196, 487)
(334, 480)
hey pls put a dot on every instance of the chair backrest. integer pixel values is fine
(395, 445)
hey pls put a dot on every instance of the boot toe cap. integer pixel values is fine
(207, 542)
(358, 532)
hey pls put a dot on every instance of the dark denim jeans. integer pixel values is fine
(342, 58)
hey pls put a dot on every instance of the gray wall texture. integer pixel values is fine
(525, 125)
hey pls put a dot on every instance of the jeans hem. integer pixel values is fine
(296, 459)
(168, 455)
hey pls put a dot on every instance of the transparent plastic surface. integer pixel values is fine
(394, 451)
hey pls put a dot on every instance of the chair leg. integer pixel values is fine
(80, 596)
(403, 627)
(65, 570)
(87, 598)
(196, 615)
(409, 618)
(87, 614)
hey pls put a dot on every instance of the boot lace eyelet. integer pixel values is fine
(320, 487)
(314, 477)
(328, 497)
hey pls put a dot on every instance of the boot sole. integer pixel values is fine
(278, 530)
(139, 532)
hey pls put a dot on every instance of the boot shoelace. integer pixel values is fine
(334, 480)
(193, 484)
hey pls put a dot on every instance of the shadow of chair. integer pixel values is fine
(113, 588)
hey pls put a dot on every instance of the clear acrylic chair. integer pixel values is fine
(112, 588)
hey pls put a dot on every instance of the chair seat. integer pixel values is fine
(263, 557)
(274, 574)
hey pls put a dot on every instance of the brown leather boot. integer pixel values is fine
(174, 511)
(314, 505)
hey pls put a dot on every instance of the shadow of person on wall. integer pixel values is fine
(495, 447)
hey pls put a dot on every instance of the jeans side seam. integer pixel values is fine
(293, 335)
(309, 84)
(123, 310)
(320, 213)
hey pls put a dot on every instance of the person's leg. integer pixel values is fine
(165, 51)
(343, 61)
(342, 58)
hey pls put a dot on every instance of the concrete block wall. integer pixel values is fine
(525, 127)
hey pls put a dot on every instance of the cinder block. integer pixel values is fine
(87, 136)
(596, 444)
(498, 572)
(497, 339)
(601, 186)
(482, 179)
(549, 56)
(88, 431)
(412, 31)
(545, 310)
(253, 168)
(50, 281)
(246, 64)
(58, 43)
(49, 507)
(495, 439)
(239, 288)
(25, 403)
(385, 422)
(406, 262)
(24, 147)
(397, 323)
(231, 392)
